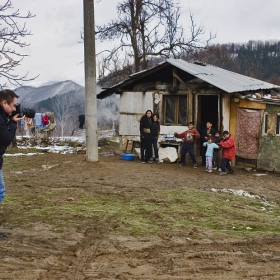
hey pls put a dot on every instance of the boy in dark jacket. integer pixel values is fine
(8, 126)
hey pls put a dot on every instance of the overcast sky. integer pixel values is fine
(56, 54)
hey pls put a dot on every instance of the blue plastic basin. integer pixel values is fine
(128, 156)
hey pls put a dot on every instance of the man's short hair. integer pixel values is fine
(7, 95)
(190, 123)
(225, 132)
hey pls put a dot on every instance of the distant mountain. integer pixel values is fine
(29, 95)
(40, 98)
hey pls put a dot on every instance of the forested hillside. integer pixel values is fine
(257, 59)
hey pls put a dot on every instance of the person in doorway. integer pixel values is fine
(228, 153)
(145, 137)
(210, 146)
(8, 126)
(189, 137)
(155, 129)
(206, 132)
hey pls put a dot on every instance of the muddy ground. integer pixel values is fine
(87, 246)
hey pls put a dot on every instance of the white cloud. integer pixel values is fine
(56, 55)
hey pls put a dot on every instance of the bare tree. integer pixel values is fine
(151, 28)
(66, 110)
(114, 70)
(11, 33)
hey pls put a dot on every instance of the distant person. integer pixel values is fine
(210, 146)
(146, 137)
(155, 129)
(206, 132)
(8, 126)
(189, 137)
(228, 153)
(82, 119)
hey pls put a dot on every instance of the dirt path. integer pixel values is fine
(87, 248)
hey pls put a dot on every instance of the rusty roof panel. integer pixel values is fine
(226, 80)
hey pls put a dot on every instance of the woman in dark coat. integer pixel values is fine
(145, 137)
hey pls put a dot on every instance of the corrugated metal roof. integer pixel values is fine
(221, 78)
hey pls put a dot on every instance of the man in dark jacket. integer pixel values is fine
(145, 137)
(8, 126)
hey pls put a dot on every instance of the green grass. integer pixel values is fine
(176, 212)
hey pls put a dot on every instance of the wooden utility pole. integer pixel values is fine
(90, 82)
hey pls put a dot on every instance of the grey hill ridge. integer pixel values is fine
(29, 95)
(41, 98)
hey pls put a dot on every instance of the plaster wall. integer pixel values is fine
(269, 150)
(136, 102)
(225, 112)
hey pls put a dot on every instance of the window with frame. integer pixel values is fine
(271, 124)
(175, 109)
(278, 125)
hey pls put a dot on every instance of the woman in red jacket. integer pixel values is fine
(228, 153)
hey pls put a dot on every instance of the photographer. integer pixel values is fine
(8, 126)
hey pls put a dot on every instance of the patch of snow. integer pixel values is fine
(60, 144)
(236, 192)
(21, 154)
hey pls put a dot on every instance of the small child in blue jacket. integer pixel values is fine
(210, 145)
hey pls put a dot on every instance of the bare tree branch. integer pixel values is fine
(150, 28)
(65, 108)
(11, 35)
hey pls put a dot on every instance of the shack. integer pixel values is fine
(181, 91)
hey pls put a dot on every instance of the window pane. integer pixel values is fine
(278, 125)
(182, 114)
(265, 123)
(170, 109)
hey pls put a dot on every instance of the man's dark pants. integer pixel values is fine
(187, 148)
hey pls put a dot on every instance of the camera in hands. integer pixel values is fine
(29, 113)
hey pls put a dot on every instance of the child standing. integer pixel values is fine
(155, 129)
(228, 153)
(210, 145)
(189, 136)
(217, 152)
